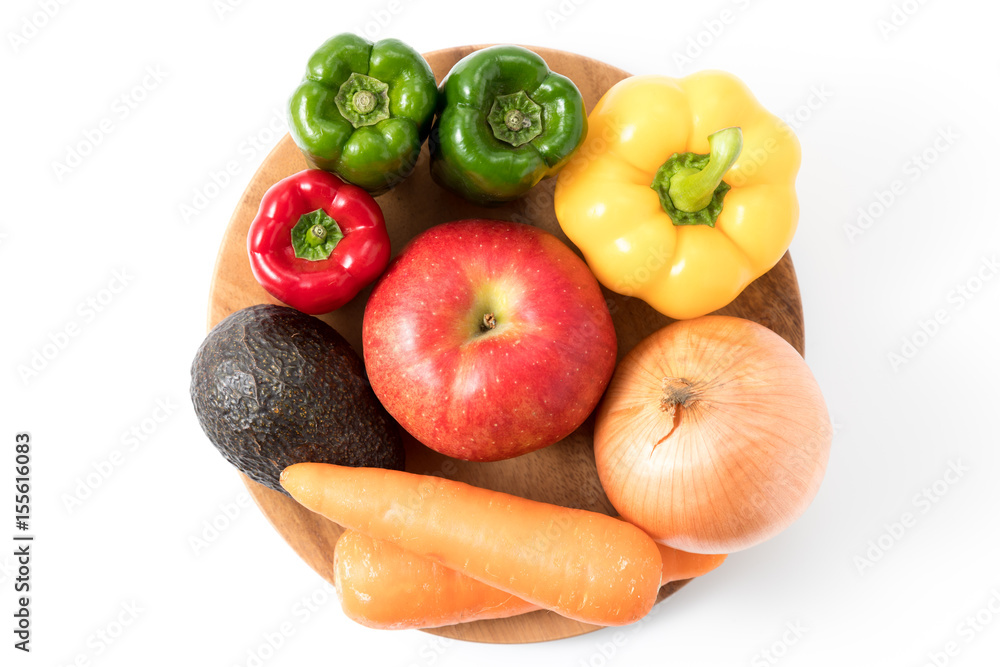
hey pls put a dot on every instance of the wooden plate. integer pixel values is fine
(563, 473)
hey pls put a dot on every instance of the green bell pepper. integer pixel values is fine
(363, 110)
(505, 122)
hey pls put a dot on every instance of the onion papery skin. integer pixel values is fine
(746, 453)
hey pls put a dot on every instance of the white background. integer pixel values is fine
(868, 97)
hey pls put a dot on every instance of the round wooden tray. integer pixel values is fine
(563, 473)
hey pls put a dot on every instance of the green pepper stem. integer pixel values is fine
(691, 190)
(516, 119)
(364, 101)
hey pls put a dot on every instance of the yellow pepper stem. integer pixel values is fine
(691, 189)
(690, 185)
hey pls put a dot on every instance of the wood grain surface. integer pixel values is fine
(563, 473)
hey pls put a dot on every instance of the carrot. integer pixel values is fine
(679, 565)
(582, 565)
(383, 586)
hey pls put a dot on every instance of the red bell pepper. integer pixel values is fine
(317, 241)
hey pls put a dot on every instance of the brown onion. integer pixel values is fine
(713, 435)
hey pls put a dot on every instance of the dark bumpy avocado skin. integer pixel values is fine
(272, 387)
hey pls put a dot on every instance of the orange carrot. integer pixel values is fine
(582, 565)
(679, 565)
(383, 586)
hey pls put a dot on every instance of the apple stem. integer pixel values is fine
(489, 322)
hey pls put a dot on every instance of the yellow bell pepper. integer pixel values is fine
(683, 192)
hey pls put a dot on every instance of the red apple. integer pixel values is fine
(488, 339)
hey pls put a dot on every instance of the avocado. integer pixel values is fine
(272, 386)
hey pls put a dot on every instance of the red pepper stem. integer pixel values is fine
(316, 235)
